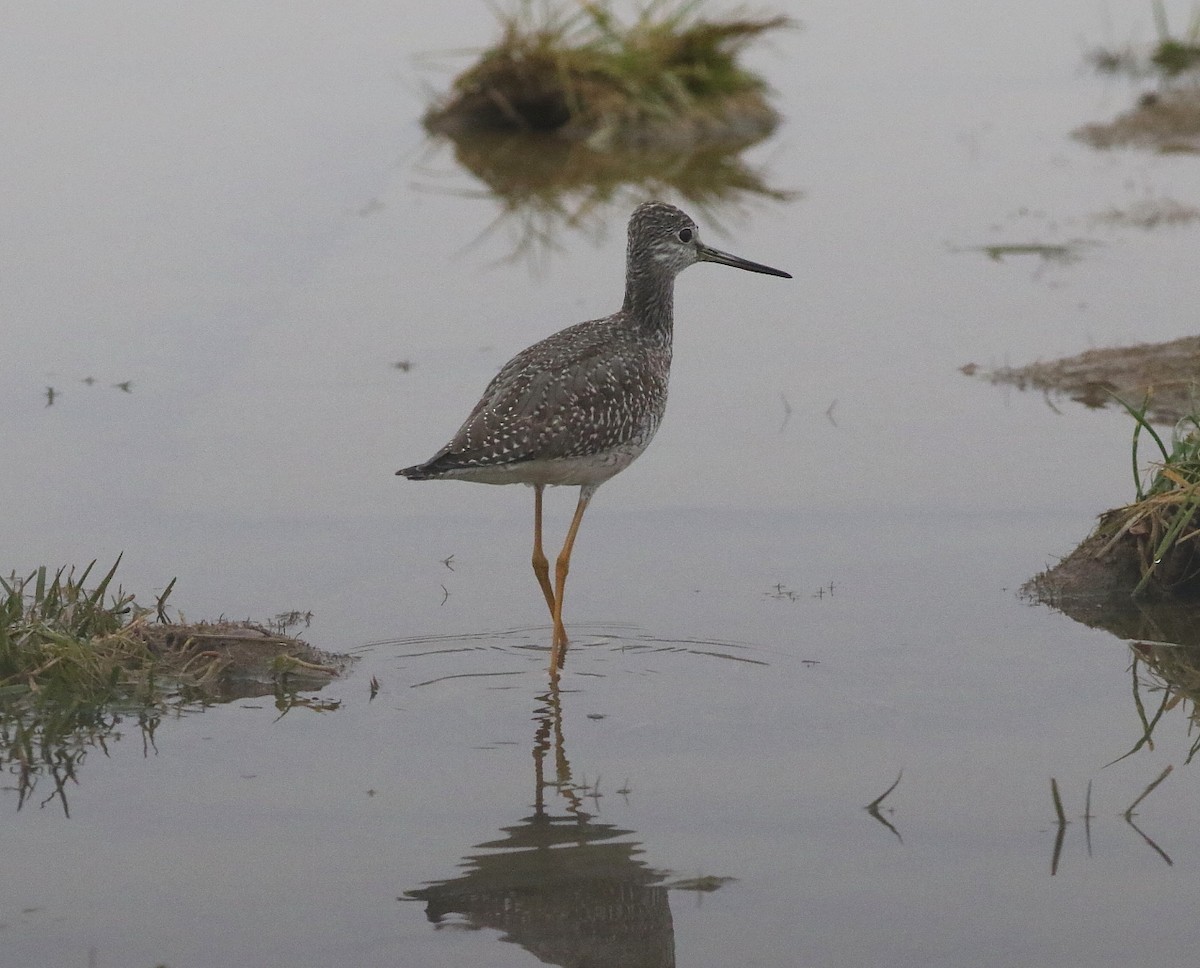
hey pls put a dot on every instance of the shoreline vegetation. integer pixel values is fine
(62, 640)
(82, 666)
(1166, 119)
(1137, 574)
(669, 78)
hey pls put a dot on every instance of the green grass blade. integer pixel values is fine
(96, 599)
(1141, 423)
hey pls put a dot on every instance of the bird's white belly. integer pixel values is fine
(591, 470)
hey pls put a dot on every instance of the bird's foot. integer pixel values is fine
(558, 649)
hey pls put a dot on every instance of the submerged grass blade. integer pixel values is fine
(1059, 812)
(1145, 793)
(1148, 727)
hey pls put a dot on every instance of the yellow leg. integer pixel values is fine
(561, 567)
(541, 566)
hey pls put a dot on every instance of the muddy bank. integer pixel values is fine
(1167, 373)
(1137, 575)
(1093, 585)
(235, 660)
(1166, 121)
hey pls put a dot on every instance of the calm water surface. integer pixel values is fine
(805, 588)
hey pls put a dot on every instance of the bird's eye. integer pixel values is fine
(685, 235)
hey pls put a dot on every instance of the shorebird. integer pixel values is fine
(580, 406)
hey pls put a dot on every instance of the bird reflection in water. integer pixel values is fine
(568, 889)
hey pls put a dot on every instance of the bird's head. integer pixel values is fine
(665, 237)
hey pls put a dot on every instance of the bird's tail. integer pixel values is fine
(418, 472)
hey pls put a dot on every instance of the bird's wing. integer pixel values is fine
(566, 396)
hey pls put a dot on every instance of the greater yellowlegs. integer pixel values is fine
(579, 407)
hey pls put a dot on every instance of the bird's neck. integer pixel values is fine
(650, 303)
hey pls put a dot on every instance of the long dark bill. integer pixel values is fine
(716, 255)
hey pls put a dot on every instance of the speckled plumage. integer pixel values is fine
(574, 408)
(581, 405)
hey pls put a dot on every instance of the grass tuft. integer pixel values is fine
(581, 71)
(1175, 55)
(60, 638)
(1163, 520)
(78, 660)
(1170, 55)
